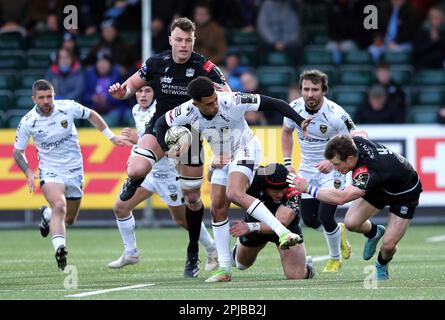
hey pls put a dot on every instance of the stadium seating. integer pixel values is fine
(86, 42)
(397, 57)
(38, 59)
(402, 74)
(14, 116)
(352, 96)
(356, 76)
(6, 100)
(27, 78)
(276, 76)
(23, 100)
(357, 57)
(316, 56)
(11, 59)
(279, 92)
(430, 77)
(273, 58)
(431, 96)
(239, 38)
(12, 42)
(423, 114)
(45, 41)
(7, 80)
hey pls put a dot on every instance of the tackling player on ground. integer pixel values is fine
(271, 188)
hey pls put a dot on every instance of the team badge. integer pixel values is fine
(337, 183)
(323, 128)
(190, 72)
(403, 210)
(174, 197)
(64, 124)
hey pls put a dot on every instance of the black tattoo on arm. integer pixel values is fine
(20, 159)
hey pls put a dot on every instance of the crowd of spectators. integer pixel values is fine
(415, 27)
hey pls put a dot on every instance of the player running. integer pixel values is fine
(163, 180)
(50, 123)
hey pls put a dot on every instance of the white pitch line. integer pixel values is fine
(93, 293)
(435, 239)
(320, 258)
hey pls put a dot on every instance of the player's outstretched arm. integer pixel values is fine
(22, 162)
(128, 88)
(333, 196)
(99, 123)
(272, 104)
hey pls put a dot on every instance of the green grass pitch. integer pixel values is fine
(28, 269)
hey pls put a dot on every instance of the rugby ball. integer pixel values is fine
(178, 135)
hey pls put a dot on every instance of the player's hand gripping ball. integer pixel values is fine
(178, 138)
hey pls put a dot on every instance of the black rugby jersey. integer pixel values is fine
(169, 79)
(291, 199)
(379, 168)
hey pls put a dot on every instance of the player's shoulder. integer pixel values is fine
(198, 58)
(30, 117)
(160, 57)
(135, 109)
(297, 104)
(334, 108)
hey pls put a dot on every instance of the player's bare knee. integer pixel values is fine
(120, 211)
(181, 222)
(351, 224)
(389, 245)
(59, 206)
(218, 213)
(70, 220)
(235, 196)
(193, 200)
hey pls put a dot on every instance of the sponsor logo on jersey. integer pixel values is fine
(64, 124)
(190, 72)
(403, 210)
(166, 79)
(208, 66)
(360, 177)
(323, 128)
(247, 98)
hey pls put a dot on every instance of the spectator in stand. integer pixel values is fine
(441, 115)
(293, 92)
(395, 94)
(377, 110)
(210, 38)
(98, 79)
(278, 26)
(249, 83)
(69, 42)
(66, 75)
(343, 28)
(249, 10)
(429, 43)
(43, 15)
(121, 51)
(13, 16)
(159, 36)
(232, 70)
(398, 23)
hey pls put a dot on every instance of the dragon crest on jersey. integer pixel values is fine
(323, 128)
(64, 124)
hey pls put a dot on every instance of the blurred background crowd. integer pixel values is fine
(392, 74)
